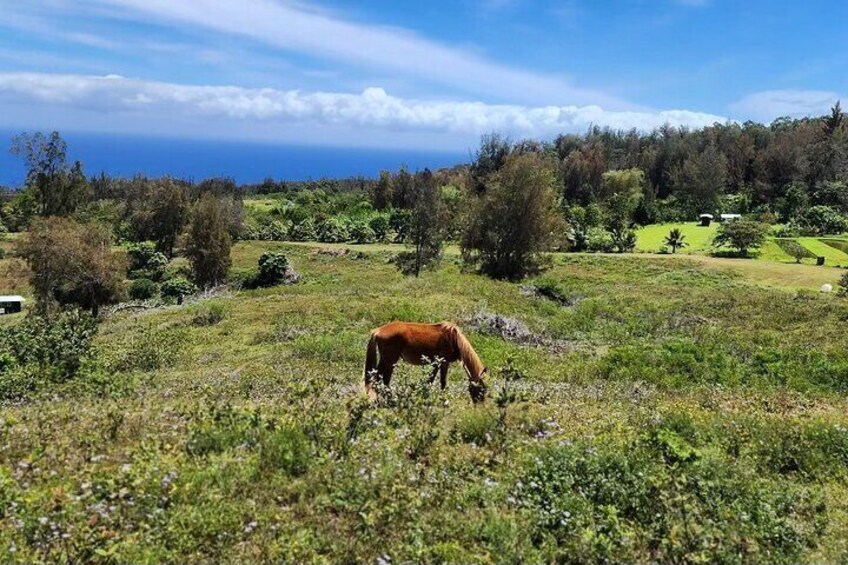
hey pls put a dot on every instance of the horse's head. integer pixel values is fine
(477, 386)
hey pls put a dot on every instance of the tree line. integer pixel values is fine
(512, 202)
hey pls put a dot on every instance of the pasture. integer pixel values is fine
(641, 408)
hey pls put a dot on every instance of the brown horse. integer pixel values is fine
(421, 344)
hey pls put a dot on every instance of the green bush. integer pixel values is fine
(332, 230)
(361, 232)
(478, 426)
(303, 230)
(273, 268)
(145, 262)
(209, 314)
(177, 288)
(662, 501)
(143, 289)
(824, 220)
(38, 351)
(380, 225)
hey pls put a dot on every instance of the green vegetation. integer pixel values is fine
(651, 239)
(660, 408)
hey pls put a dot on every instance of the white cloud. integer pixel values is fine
(371, 111)
(298, 26)
(768, 105)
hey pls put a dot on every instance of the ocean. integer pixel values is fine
(246, 162)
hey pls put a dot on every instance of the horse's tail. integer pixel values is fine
(370, 358)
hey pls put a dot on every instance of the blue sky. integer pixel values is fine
(425, 75)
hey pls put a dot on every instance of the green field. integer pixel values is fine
(651, 239)
(677, 409)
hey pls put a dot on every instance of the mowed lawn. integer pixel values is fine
(651, 239)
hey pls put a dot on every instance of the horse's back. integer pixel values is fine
(415, 339)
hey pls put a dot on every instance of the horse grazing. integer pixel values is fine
(422, 344)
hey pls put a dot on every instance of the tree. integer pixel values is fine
(675, 240)
(742, 235)
(382, 195)
(72, 265)
(426, 227)
(157, 210)
(402, 189)
(208, 242)
(514, 220)
(701, 179)
(58, 188)
(490, 158)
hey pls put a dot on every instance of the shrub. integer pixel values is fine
(39, 351)
(147, 349)
(843, 284)
(332, 230)
(361, 232)
(824, 220)
(209, 314)
(145, 262)
(143, 289)
(303, 230)
(380, 225)
(273, 269)
(599, 240)
(601, 503)
(284, 449)
(177, 288)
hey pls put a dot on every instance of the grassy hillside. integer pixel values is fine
(665, 409)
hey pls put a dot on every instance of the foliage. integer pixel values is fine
(177, 288)
(742, 235)
(426, 227)
(156, 210)
(38, 351)
(514, 220)
(145, 262)
(380, 225)
(208, 242)
(274, 269)
(361, 232)
(143, 289)
(383, 191)
(662, 498)
(675, 240)
(332, 230)
(57, 188)
(71, 264)
(824, 220)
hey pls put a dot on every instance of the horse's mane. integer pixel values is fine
(467, 354)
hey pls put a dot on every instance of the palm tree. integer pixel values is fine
(674, 239)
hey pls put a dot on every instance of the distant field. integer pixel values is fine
(651, 238)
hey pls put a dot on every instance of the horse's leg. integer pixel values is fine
(443, 374)
(386, 370)
(433, 375)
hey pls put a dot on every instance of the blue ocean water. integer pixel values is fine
(246, 162)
